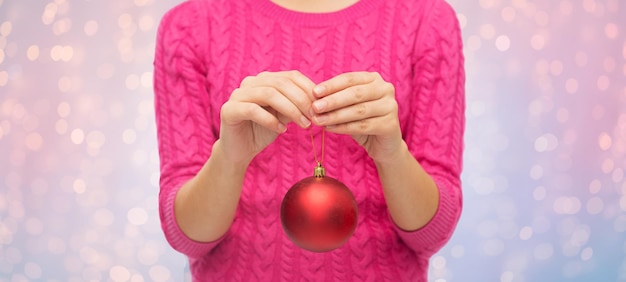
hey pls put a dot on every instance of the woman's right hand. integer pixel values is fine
(260, 109)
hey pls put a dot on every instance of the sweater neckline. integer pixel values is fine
(360, 8)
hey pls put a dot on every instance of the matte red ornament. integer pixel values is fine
(319, 213)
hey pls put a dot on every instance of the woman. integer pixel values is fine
(240, 85)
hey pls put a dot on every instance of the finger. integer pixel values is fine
(343, 98)
(285, 80)
(266, 96)
(357, 112)
(283, 119)
(233, 113)
(343, 81)
(296, 87)
(376, 90)
(380, 125)
(303, 82)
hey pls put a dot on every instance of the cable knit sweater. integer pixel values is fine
(206, 47)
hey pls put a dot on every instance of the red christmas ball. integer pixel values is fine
(319, 214)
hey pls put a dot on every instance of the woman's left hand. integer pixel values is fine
(363, 105)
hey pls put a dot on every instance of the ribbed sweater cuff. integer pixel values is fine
(439, 229)
(177, 237)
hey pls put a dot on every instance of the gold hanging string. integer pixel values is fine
(319, 170)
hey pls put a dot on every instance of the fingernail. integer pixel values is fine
(304, 121)
(320, 119)
(319, 90)
(319, 105)
(282, 128)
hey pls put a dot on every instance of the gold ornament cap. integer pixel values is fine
(319, 171)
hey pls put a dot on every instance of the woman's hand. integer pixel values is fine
(363, 105)
(260, 109)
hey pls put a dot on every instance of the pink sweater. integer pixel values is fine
(206, 47)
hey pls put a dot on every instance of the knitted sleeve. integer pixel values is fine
(185, 136)
(435, 137)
